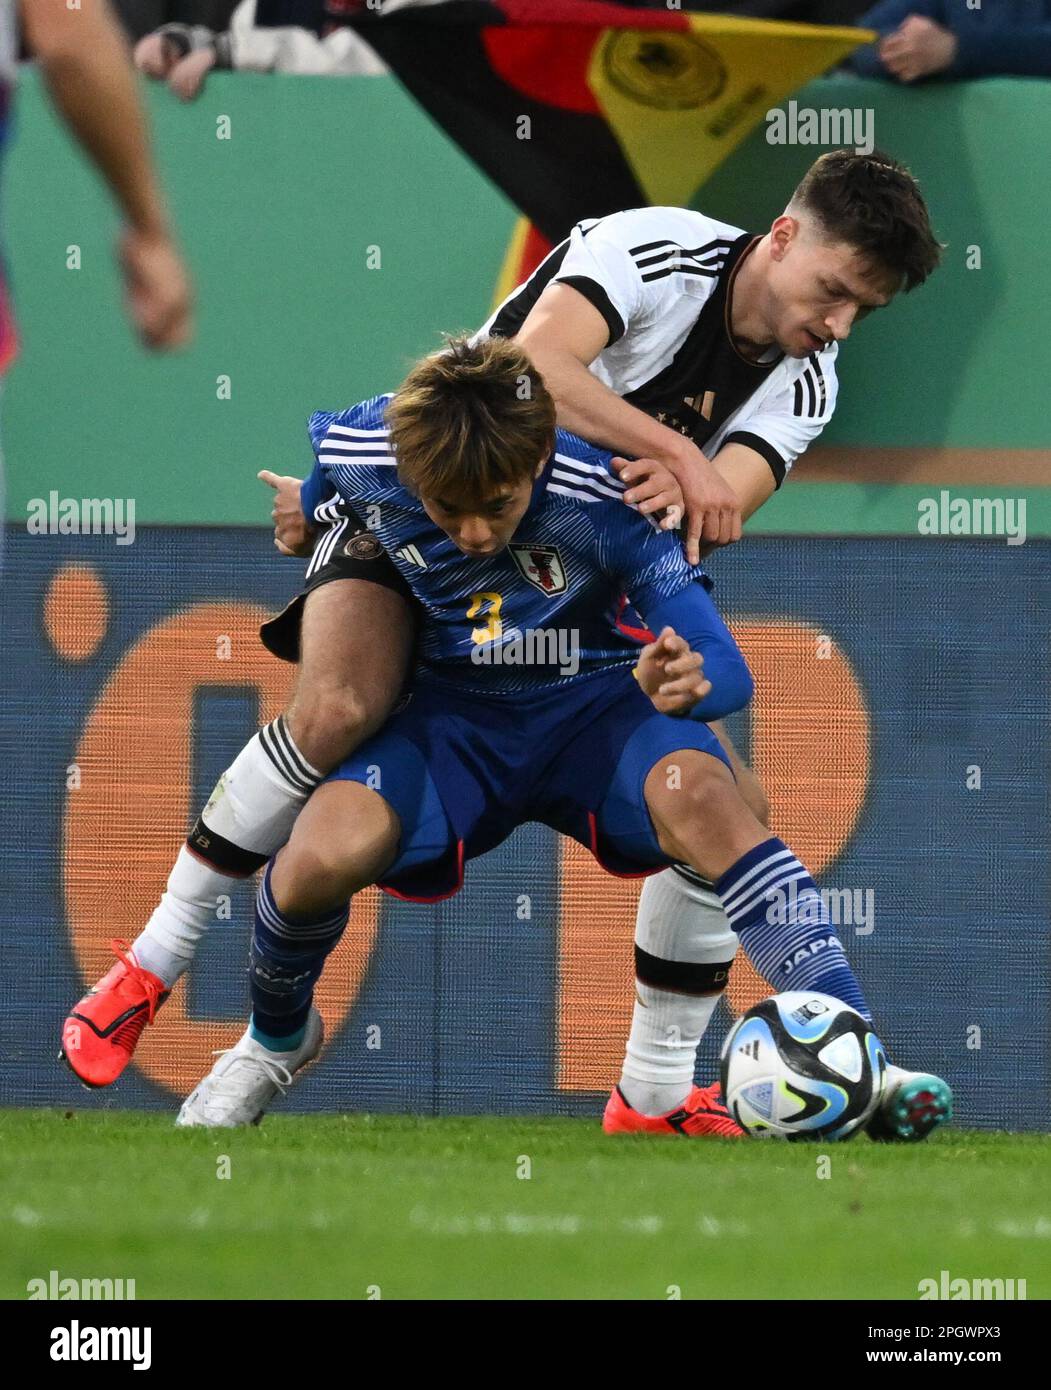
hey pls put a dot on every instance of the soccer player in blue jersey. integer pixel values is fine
(504, 530)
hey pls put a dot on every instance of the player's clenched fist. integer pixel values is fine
(671, 674)
(292, 534)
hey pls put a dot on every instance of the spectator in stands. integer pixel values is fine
(139, 17)
(953, 39)
(183, 55)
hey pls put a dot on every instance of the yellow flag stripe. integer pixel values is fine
(680, 100)
(509, 270)
(773, 29)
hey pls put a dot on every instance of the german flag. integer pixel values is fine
(578, 108)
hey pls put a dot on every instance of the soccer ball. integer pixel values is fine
(802, 1066)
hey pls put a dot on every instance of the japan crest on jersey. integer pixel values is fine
(542, 566)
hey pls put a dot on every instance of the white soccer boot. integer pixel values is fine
(914, 1103)
(245, 1080)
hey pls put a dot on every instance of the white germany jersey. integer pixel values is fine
(662, 278)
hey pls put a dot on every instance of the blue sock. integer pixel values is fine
(775, 908)
(284, 964)
(268, 1040)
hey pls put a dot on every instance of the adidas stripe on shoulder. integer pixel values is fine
(811, 390)
(583, 471)
(359, 430)
(655, 260)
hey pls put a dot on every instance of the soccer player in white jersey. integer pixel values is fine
(708, 355)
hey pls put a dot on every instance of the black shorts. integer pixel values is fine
(347, 550)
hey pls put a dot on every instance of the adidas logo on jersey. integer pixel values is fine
(411, 556)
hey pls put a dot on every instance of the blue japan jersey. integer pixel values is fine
(540, 613)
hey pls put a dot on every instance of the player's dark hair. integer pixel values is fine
(469, 420)
(874, 204)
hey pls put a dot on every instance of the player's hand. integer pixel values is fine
(653, 488)
(918, 48)
(157, 287)
(292, 534)
(713, 509)
(671, 674)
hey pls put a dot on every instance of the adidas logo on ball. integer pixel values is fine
(802, 1066)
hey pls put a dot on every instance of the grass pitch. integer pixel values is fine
(343, 1206)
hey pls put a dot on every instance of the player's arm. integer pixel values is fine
(671, 674)
(293, 509)
(748, 473)
(296, 500)
(312, 491)
(691, 616)
(563, 334)
(762, 447)
(85, 64)
(669, 593)
(745, 470)
(750, 476)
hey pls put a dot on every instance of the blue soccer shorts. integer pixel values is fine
(463, 770)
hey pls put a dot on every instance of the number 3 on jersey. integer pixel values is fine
(486, 606)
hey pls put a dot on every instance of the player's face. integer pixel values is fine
(819, 289)
(482, 527)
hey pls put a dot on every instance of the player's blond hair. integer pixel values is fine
(469, 420)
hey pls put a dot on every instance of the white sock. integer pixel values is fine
(682, 922)
(254, 806)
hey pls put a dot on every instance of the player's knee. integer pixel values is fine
(707, 784)
(309, 878)
(710, 810)
(695, 794)
(317, 871)
(328, 723)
